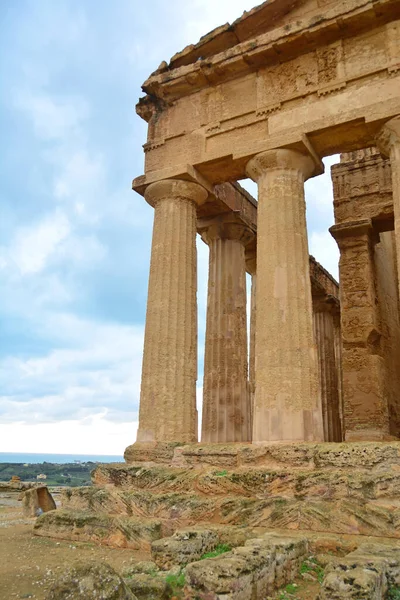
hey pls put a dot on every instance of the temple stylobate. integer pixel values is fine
(267, 98)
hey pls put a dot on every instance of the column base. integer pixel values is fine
(154, 452)
(369, 435)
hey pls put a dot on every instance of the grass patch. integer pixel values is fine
(176, 583)
(218, 550)
(221, 473)
(393, 593)
(311, 566)
(288, 592)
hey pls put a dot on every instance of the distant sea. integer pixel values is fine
(19, 457)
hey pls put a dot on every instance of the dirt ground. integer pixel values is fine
(30, 564)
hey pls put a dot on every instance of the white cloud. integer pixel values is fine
(52, 118)
(96, 436)
(96, 369)
(33, 246)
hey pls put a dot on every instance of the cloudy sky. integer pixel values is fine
(74, 239)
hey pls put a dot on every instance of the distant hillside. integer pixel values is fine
(69, 474)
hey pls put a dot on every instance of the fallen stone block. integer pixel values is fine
(183, 547)
(354, 583)
(92, 582)
(149, 587)
(36, 501)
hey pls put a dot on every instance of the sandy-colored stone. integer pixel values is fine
(92, 581)
(287, 404)
(226, 397)
(101, 528)
(37, 500)
(168, 393)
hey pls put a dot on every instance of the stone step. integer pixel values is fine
(108, 530)
(363, 456)
(346, 515)
(258, 482)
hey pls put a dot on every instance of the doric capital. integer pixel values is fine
(225, 227)
(280, 159)
(354, 232)
(175, 188)
(389, 136)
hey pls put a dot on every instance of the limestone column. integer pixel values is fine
(251, 265)
(388, 142)
(338, 357)
(226, 399)
(168, 392)
(287, 399)
(365, 402)
(324, 327)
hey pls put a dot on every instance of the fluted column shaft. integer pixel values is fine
(388, 142)
(168, 393)
(251, 264)
(328, 371)
(287, 399)
(226, 402)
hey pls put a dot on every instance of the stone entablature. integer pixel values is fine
(362, 184)
(296, 82)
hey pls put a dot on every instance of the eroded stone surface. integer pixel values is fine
(92, 582)
(250, 571)
(118, 531)
(37, 500)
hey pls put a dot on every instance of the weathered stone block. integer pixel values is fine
(121, 532)
(92, 582)
(36, 501)
(149, 587)
(183, 547)
(251, 571)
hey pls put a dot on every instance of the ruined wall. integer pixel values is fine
(363, 206)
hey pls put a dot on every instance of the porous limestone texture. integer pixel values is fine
(287, 404)
(109, 530)
(183, 547)
(339, 488)
(367, 573)
(251, 571)
(226, 399)
(168, 393)
(90, 581)
(363, 203)
(37, 500)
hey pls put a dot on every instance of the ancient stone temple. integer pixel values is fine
(301, 414)
(267, 98)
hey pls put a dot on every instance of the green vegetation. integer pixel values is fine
(287, 593)
(176, 584)
(220, 549)
(221, 473)
(394, 593)
(70, 474)
(311, 566)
